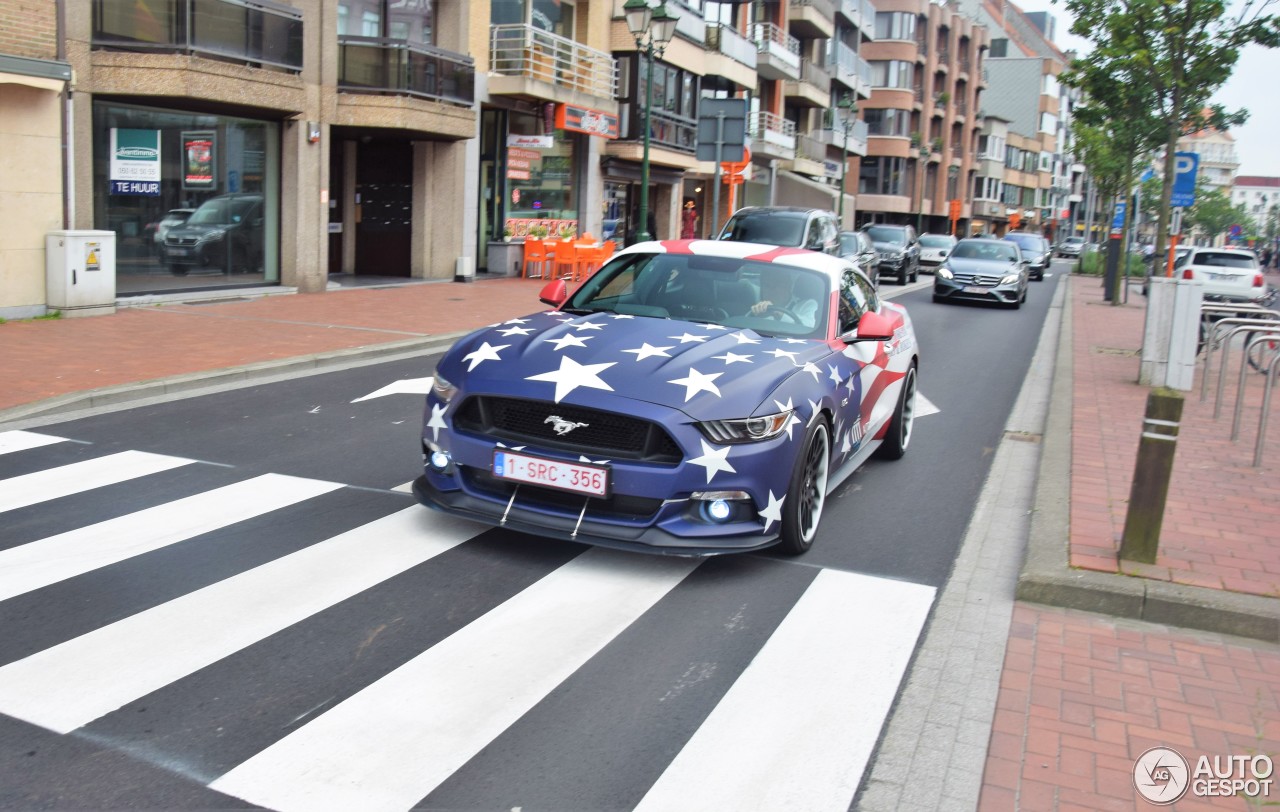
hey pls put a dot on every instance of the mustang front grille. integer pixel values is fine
(572, 428)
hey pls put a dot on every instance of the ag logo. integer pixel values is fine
(1161, 775)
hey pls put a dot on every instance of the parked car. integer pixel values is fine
(789, 226)
(899, 250)
(1035, 250)
(983, 270)
(171, 218)
(1070, 247)
(225, 233)
(934, 249)
(857, 247)
(1228, 274)
(656, 409)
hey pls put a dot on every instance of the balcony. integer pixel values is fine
(772, 136)
(868, 19)
(778, 53)
(369, 64)
(813, 89)
(811, 157)
(258, 32)
(858, 132)
(527, 61)
(731, 56)
(842, 64)
(851, 10)
(812, 19)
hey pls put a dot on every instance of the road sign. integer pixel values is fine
(1121, 208)
(1185, 165)
(733, 136)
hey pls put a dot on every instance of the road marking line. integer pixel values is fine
(11, 441)
(388, 746)
(797, 728)
(71, 684)
(56, 558)
(77, 477)
(924, 406)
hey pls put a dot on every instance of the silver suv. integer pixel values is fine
(790, 226)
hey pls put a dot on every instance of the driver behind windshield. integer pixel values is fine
(777, 297)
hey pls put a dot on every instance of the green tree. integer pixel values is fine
(1213, 213)
(1171, 56)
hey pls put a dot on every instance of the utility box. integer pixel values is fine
(80, 272)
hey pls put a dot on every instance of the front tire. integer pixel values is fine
(898, 437)
(807, 491)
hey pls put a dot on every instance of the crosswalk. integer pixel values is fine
(415, 659)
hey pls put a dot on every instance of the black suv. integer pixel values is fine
(224, 234)
(899, 250)
(791, 226)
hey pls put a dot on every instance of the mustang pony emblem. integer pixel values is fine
(563, 426)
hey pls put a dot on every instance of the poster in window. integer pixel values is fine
(198, 170)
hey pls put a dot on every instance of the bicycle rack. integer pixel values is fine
(1273, 366)
(1215, 343)
(1268, 334)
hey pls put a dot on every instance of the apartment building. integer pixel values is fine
(1259, 195)
(34, 75)
(923, 117)
(1218, 159)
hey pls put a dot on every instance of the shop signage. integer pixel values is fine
(522, 163)
(531, 141)
(135, 162)
(585, 120)
(198, 168)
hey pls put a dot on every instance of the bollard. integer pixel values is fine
(1151, 476)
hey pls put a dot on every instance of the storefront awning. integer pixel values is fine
(43, 74)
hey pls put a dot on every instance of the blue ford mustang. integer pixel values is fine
(691, 397)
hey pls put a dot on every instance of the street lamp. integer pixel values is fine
(652, 29)
(925, 152)
(850, 106)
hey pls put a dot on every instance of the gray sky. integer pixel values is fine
(1250, 87)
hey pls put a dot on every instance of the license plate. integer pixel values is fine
(976, 289)
(590, 480)
(178, 252)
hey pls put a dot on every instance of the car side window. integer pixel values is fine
(853, 300)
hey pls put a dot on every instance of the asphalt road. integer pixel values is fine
(263, 617)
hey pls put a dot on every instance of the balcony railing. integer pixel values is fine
(842, 61)
(523, 50)
(725, 40)
(771, 129)
(673, 133)
(810, 148)
(259, 32)
(964, 64)
(816, 76)
(868, 19)
(824, 7)
(769, 38)
(962, 107)
(396, 66)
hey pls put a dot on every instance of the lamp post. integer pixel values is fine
(924, 160)
(652, 29)
(850, 106)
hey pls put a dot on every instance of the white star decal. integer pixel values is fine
(812, 369)
(773, 513)
(732, 358)
(485, 352)
(515, 331)
(588, 325)
(686, 338)
(794, 341)
(647, 350)
(782, 354)
(849, 383)
(696, 382)
(437, 421)
(713, 327)
(585, 458)
(570, 341)
(834, 376)
(623, 316)
(847, 445)
(516, 321)
(714, 461)
(571, 375)
(743, 338)
(787, 407)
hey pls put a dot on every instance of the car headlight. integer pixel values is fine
(1010, 279)
(944, 272)
(212, 236)
(747, 429)
(443, 389)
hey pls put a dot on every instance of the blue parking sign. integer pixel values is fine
(1185, 165)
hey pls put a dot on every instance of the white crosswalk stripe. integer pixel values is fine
(11, 441)
(78, 477)
(794, 731)
(48, 561)
(791, 733)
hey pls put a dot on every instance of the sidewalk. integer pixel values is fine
(1081, 694)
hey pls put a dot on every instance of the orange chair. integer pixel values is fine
(609, 247)
(590, 258)
(565, 263)
(535, 253)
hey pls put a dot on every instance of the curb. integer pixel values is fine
(1047, 578)
(191, 383)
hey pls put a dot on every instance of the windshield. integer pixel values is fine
(1028, 242)
(770, 228)
(988, 250)
(937, 241)
(888, 234)
(710, 290)
(849, 243)
(1225, 259)
(222, 211)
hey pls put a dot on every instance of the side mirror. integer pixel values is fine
(554, 293)
(943, 254)
(871, 327)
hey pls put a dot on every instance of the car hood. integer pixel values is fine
(190, 230)
(986, 267)
(604, 361)
(890, 246)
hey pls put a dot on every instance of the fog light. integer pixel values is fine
(439, 460)
(719, 510)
